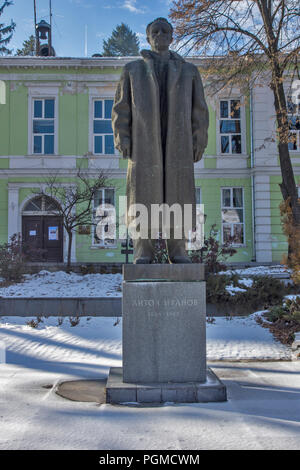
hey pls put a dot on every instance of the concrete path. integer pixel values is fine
(262, 412)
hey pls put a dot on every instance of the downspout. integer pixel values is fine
(252, 164)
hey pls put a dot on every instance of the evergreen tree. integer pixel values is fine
(122, 42)
(6, 32)
(28, 47)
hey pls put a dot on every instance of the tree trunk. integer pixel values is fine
(70, 236)
(288, 186)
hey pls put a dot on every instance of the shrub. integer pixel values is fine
(216, 288)
(13, 256)
(161, 253)
(213, 254)
(12, 259)
(266, 291)
(87, 269)
(74, 321)
(288, 311)
(34, 323)
(284, 320)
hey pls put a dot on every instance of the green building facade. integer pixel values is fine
(55, 118)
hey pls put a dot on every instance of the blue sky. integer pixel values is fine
(70, 18)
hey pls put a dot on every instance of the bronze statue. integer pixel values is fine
(160, 122)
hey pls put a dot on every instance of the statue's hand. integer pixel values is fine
(198, 155)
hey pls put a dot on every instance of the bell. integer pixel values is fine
(43, 28)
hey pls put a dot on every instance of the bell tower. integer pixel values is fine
(43, 35)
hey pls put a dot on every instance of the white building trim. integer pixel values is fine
(263, 234)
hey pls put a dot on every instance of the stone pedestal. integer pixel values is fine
(164, 341)
(164, 331)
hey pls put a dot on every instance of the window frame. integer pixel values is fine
(43, 98)
(295, 131)
(103, 243)
(200, 194)
(92, 119)
(242, 120)
(231, 188)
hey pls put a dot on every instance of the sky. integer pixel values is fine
(70, 18)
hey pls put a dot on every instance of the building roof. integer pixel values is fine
(76, 62)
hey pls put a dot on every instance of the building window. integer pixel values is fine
(103, 139)
(42, 204)
(294, 124)
(198, 195)
(102, 232)
(43, 126)
(230, 127)
(233, 228)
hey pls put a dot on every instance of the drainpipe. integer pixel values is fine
(252, 176)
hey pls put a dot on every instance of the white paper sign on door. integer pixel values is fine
(52, 233)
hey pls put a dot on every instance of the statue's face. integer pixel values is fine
(160, 36)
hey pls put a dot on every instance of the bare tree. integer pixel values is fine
(241, 40)
(74, 200)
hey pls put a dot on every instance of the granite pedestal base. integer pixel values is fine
(164, 327)
(119, 392)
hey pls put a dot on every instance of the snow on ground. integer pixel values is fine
(61, 284)
(292, 296)
(259, 271)
(233, 289)
(97, 341)
(261, 411)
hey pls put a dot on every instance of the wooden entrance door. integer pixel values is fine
(53, 238)
(43, 237)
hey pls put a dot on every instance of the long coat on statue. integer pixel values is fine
(154, 178)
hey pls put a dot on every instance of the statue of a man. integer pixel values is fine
(160, 122)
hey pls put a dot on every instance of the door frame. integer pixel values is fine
(44, 233)
(16, 216)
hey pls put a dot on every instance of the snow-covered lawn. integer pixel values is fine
(259, 271)
(61, 284)
(96, 342)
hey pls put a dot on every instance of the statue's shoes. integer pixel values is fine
(143, 260)
(180, 260)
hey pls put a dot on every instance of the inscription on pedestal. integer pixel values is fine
(164, 303)
(164, 332)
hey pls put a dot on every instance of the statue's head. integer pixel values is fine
(159, 34)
